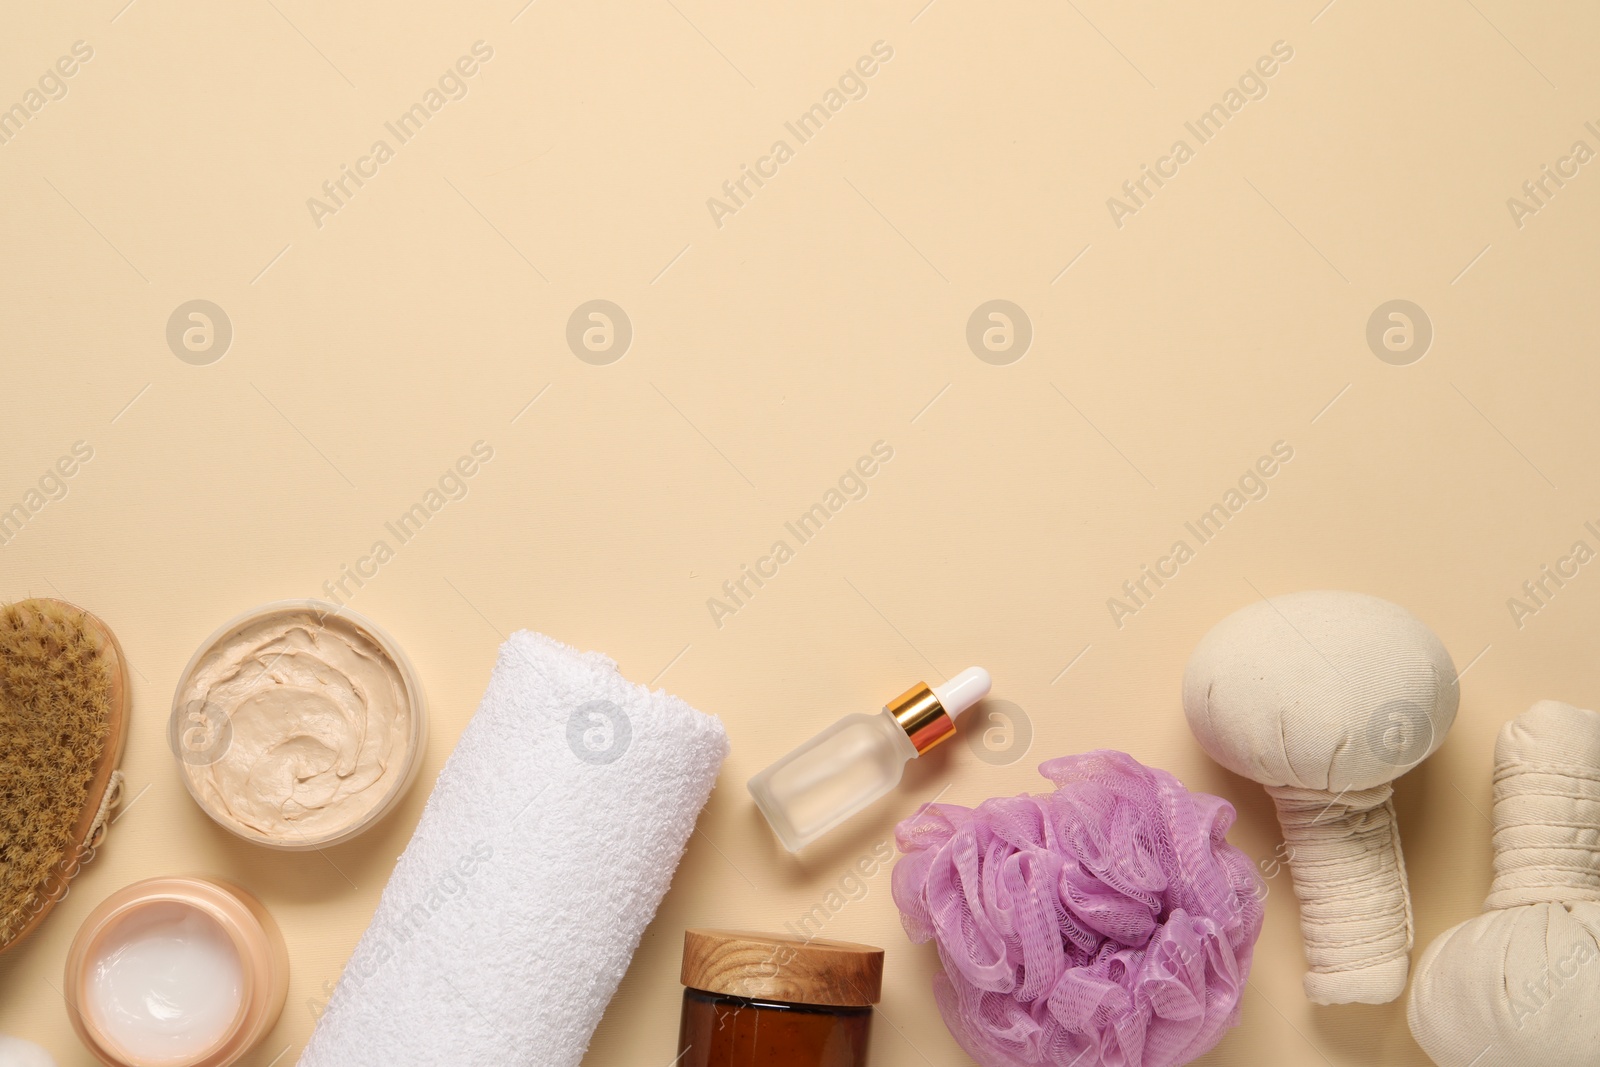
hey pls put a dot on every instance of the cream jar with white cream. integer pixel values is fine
(298, 725)
(176, 972)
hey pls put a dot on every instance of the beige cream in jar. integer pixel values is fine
(298, 725)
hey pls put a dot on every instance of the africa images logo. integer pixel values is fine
(451, 86)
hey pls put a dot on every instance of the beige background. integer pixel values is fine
(828, 313)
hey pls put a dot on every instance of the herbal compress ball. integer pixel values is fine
(1520, 984)
(1325, 698)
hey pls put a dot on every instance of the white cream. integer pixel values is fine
(166, 983)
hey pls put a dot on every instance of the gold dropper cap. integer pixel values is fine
(922, 717)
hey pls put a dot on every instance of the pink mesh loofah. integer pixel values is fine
(1107, 924)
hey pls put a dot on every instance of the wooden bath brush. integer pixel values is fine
(63, 705)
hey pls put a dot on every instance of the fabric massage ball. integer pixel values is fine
(1325, 698)
(1520, 984)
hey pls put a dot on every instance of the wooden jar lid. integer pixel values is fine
(766, 967)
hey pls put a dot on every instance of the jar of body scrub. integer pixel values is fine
(298, 725)
(176, 972)
(754, 1000)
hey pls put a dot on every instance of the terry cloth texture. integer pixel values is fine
(547, 845)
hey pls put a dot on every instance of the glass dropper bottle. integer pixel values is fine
(859, 758)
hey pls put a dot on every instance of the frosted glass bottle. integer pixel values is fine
(859, 758)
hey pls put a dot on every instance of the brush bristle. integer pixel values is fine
(55, 716)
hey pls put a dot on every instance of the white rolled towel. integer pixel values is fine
(550, 838)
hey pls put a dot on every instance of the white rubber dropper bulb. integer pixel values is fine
(963, 691)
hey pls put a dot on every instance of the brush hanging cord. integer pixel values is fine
(103, 815)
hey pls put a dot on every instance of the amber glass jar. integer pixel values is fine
(754, 1000)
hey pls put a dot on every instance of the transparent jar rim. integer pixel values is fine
(799, 1006)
